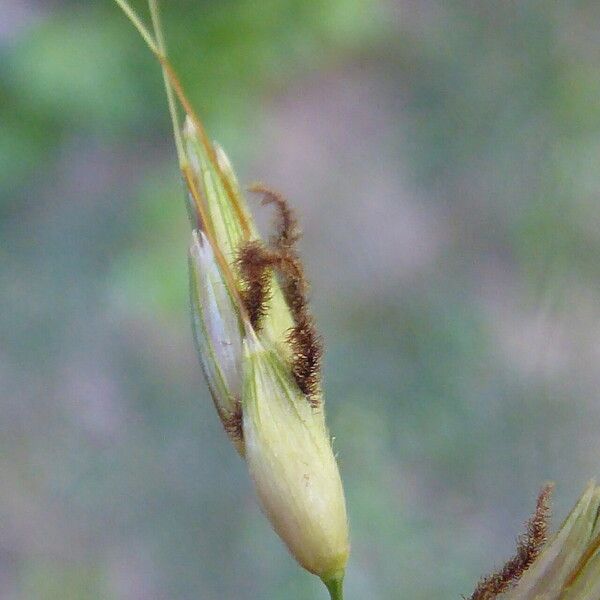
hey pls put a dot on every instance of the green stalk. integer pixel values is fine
(139, 25)
(335, 586)
(162, 47)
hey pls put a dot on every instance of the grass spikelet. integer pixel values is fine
(529, 546)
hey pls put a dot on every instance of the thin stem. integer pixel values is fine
(155, 14)
(204, 140)
(335, 586)
(139, 25)
(174, 85)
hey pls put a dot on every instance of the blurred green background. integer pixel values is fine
(443, 157)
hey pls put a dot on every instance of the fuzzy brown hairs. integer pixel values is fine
(529, 546)
(256, 263)
(232, 422)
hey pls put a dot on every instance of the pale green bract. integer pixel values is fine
(292, 464)
(217, 330)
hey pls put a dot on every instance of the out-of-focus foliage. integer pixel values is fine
(443, 159)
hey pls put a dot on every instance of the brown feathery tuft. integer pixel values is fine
(304, 340)
(288, 232)
(529, 546)
(255, 263)
(232, 422)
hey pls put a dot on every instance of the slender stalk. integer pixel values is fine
(162, 47)
(139, 25)
(173, 85)
(335, 586)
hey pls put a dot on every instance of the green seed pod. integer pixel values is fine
(260, 354)
(289, 455)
